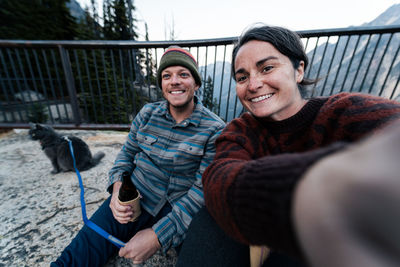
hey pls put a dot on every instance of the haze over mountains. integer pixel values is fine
(345, 76)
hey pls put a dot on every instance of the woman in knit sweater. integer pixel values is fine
(249, 188)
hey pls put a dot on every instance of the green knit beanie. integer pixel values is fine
(176, 56)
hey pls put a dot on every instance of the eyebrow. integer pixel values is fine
(258, 63)
(262, 61)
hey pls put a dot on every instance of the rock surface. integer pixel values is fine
(40, 212)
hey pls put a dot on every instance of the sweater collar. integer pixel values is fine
(298, 120)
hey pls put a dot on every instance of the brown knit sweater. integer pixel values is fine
(249, 186)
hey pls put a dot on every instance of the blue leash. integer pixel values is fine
(88, 222)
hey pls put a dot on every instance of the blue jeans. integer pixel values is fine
(89, 248)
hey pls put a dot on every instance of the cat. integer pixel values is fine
(56, 148)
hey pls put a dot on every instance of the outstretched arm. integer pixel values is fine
(346, 206)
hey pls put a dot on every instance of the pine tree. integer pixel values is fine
(208, 100)
(30, 20)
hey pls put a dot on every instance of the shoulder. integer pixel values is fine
(246, 120)
(358, 99)
(209, 118)
(149, 110)
(159, 106)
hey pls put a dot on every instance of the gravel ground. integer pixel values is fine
(40, 212)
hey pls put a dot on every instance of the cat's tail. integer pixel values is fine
(96, 158)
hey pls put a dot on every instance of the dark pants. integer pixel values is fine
(207, 245)
(89, 248)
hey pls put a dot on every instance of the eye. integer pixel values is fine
(166, 76)
(267, 68)
(240, 78)
(184, 75)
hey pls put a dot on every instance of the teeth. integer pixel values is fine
(176, 92)
(258, 99)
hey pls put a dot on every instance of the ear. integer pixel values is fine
(300, 72)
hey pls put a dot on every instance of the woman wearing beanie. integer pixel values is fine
(169, 145)
(252, 187)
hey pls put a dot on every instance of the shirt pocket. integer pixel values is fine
(187, 158)
(146, 142)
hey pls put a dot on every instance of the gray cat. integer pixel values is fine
(57, 149)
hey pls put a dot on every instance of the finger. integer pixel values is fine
(122, 252)
(123, 219)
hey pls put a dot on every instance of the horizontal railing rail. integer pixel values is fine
(103, 84)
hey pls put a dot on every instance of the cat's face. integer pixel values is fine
(38, 131)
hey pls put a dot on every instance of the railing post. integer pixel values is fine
(69, 79)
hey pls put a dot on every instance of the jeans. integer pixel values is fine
(89, 248)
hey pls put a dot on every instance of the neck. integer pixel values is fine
(182, 112)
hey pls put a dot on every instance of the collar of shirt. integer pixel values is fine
(194, 119)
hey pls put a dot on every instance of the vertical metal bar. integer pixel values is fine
(330, 66)
(69, 79)
(322, 60)
(312, 58)
(51, 82)
(116, 87)
(370, 61)
(205, 67)
(138, 81)
(3, 86)
(83, 95)
(131, 82)
(222, 81)
(61, 89)
(43, 85)
(98, 86)
(359, 65)
(123, 84)
(147, 70)
(394, 89)
(10, 85)
(339, 65)
(31, 72)
(388, 73)
(228, 100)
(89, 78)
(110, 108)
(380, 62)
(350, 63)
(306, 46)
(18, 84)
(236, 102)
(21, 70)
(212, 89)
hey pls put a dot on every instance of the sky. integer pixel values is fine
(205, 19)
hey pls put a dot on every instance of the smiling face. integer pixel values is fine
(266, 81)
(178, 87)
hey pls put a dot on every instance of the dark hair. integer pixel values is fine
(285, 41)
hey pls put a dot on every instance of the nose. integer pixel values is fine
(175, 79)
(254, 83)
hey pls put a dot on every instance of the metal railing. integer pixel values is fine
(103, 84)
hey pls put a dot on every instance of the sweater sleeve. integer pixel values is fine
(251, 198)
